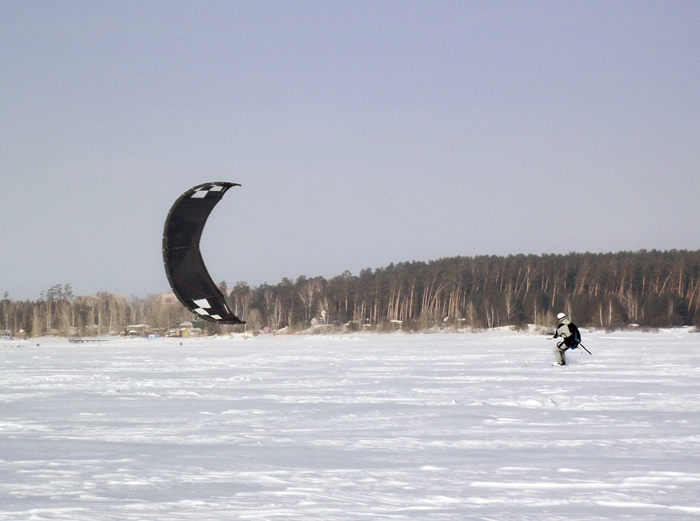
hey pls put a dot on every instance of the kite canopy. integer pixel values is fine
(184, 266)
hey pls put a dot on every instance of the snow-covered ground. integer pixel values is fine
(424, 426)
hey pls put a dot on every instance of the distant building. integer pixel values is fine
(137, 330)
(184, 330)
(165, 298)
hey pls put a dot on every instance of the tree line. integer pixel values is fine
(601, 290)
(59, 312)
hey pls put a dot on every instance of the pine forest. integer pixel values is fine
(648, 289)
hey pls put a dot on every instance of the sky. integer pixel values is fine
(363, 133)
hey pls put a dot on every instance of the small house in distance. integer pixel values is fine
(136, 330)
(184, 330)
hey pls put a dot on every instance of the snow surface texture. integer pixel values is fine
(424, 426)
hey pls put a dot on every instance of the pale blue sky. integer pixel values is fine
(363, 133)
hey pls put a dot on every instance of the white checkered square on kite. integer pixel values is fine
(205, 190)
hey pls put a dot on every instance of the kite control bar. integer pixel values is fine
(578, 345)
(584, 348)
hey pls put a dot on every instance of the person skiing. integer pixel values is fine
(570, 338)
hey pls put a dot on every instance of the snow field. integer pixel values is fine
(424, 426)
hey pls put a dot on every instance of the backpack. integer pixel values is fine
(574, 339)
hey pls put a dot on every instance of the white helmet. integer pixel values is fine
(561, 316)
